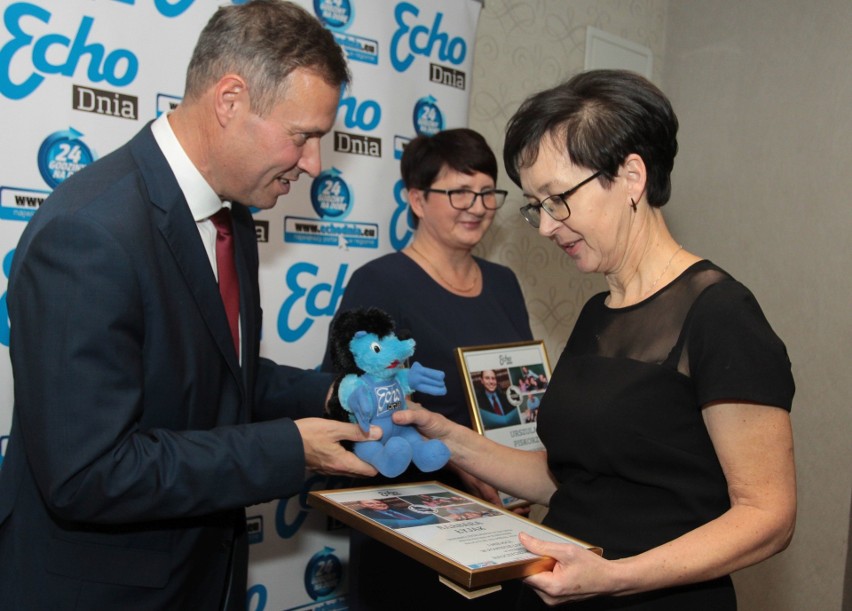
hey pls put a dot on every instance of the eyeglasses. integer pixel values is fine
(555, 205)
(463, 199)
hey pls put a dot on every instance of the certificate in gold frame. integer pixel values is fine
(468, 542)
(504, 384)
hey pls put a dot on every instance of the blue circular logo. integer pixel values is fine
(428, 119)
(61, 155)
(330, 195)
(323, 574)
(335, 14)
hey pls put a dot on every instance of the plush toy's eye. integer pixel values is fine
(376, 347)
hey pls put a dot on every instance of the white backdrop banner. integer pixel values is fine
(78, 78)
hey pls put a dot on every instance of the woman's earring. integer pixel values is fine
(633, 204)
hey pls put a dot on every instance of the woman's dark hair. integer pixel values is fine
(602, 116)
(461, 149)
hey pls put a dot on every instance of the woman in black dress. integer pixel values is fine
(666, 420)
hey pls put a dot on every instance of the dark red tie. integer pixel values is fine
(496, 404)
(228, 285)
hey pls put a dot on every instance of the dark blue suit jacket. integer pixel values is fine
(137, 437)
(484, 403)
(490, 418)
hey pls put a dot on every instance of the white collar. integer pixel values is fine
(202, 200)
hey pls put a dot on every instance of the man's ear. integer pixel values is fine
(230, 98)
(635, 175)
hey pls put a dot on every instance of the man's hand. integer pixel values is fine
(323, 452)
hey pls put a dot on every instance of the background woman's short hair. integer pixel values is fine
(461, 149)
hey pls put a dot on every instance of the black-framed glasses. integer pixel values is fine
(555, 205)
(463, 199)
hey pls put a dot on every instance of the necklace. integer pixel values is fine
(665, 269)
(441, 276)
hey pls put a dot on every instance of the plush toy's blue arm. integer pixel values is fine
(423, 379)
(356, 399)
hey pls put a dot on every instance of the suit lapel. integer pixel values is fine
(180, 232)
(245, 251)
(185, 245)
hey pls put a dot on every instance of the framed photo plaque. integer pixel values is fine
(504, 384)
(471, 544)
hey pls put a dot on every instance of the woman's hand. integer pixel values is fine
(430, 424)
(518, 472)
(577, 575)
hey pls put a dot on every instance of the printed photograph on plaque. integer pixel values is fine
(504, 385)
(471, 544)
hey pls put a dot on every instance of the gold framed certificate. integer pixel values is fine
(504, 384)
(473, 545)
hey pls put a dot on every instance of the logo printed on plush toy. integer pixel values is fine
(389, 398)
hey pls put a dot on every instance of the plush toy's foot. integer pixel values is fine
(390, 459)
(431, 455)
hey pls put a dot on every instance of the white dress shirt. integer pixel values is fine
(202, 200)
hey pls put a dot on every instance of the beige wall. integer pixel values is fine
(764, 93)
(762, 187)
(523, 46)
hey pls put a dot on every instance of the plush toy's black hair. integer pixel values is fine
(346, 324)
(343, 328)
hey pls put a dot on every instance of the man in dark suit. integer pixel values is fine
(495, 411)
(144, 422)
(488, 395)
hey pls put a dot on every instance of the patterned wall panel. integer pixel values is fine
(523, 46)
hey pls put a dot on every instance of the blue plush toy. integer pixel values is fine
(366, 349)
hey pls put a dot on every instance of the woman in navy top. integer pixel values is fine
(444, 297)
